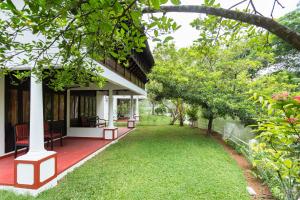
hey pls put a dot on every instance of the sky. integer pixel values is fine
(186, 34)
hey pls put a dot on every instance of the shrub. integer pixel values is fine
(277, 152)
(160, 110)
(192, 113)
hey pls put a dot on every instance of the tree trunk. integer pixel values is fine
(283, 32)
(209, 126)
(181, 113)
(173, 120)
(153, 109)
(181, 120)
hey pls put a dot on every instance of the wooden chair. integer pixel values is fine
(101, 122)
(54, 133)
(84, 121)
(93, 121)
(21, 137)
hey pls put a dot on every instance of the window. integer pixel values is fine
(26, 104)
(54, 106)
(17, 107)
(61, 110)
(83, 108)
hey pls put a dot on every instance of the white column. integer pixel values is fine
(100, 105)
(38, 165)
(110, 109)
(2, 116)
(115, 111)
(131, 107)
(68, 110)
(105, 107)
(137, 112)
(36, 137)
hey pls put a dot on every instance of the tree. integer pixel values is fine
(286, 56)
(88, 30)
(214, 82)
(290, 20)
(283, 32)
(175, 106)
(70, 35)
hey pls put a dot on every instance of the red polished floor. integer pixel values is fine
(72, 151)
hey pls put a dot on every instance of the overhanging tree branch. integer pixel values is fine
(283, 32)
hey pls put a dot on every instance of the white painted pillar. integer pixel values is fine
(131, 107)
(110, 109)
(37, 168)
(68, 110)
(2, 116)
(100, 105)
(115, 112)
(105, 107)
(137, 112)
(36, 137)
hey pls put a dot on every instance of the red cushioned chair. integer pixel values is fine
(21, 137)
(55, 133)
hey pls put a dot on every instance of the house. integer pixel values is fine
(32, 109)
(34, 103)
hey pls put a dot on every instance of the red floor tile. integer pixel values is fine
(72, 151)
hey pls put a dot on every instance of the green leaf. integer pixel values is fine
(105, 27)
(152, 25)
(209, 2)
(135, 15)
(155, 4)
(288, 163)
(176, 2)
(11, 5)
(124, 26)
(156, 40)
(156, 33)
(115, 55)
(167, 39)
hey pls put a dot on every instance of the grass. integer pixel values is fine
(154, 120)
(148, 120)
(154, 162)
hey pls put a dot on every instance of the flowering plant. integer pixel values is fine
(278, 147)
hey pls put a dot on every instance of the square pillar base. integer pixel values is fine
(34, 170)
(131, 123)
(110, 133)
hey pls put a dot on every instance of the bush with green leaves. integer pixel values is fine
(278, 149)
(192, 113)
(160, 110)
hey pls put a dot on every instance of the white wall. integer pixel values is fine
(2, 116)
(85, 132)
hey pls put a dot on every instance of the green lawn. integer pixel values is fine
(154, 162)
(150, 120)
